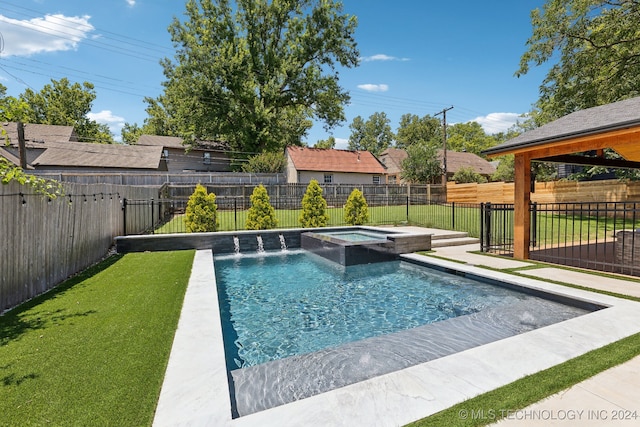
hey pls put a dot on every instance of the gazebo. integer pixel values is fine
(577, 138)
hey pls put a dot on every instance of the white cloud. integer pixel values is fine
(381, 57)
(106, 117)
(498, 122)
(341, 144)
(48, 34)
(374, 88)
(131, 3)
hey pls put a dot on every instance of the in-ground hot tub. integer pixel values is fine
(360, 245)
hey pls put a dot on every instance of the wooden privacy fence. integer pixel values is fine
(159, 178)
(547, 192)
(46, 241)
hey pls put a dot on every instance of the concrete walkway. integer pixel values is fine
(609, 398)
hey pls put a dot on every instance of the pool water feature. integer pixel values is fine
(296, 324)
(361, 245)
(357, 235)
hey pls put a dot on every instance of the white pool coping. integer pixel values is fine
(195, 389)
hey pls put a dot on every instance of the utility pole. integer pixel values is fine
(444, 146)
(21, 146)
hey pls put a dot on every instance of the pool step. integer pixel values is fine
(453, 239)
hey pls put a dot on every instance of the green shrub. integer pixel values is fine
(201, 214)
(314, 207)
(268, 162)
(356, 210)
(467, 175)
(261, 215)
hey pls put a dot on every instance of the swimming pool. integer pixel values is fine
(295, 324)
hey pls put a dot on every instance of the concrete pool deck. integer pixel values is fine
(195, 391)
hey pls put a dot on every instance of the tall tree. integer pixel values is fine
(597, 46)
(414, 129)
(422, 164)
(256, 72)
(65, 104)
(374, 135)
(12, 109)
(469, 137)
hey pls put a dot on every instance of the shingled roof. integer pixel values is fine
(177, 142)
(591, 121)
(330, 160)
(82, 154)
(39, 134)
(455, 161)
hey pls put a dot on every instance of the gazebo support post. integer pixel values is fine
(521, 215)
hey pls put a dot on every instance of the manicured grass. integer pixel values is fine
(94, 350)
(490, 407)
(438, 216)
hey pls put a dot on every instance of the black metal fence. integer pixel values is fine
(167, 215)
(598, 236)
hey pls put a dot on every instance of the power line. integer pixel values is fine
(65, 23)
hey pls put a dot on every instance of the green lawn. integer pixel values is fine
(94, 350)
(437, 216)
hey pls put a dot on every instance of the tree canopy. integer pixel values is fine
(326, 143)
(422, 164)
(469, 137)
(597, 46)
(255, 72)
(374, 135)
(65, 104)
(414, 129)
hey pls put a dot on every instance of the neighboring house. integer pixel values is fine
(85, 157)
(392, 159)
(457, 161)
(55, 148)
(206, 156)
(41, 133)
(13, 159)
(50, 147)
(329, 166)
(36, 136)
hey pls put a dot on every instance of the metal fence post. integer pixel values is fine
(453, 215)
(534, 224)
(235, 213)
(487, 227)
(124, 216)
(481, 227)
(152, 227)
(407, 204)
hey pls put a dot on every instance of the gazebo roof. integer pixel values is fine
(615, 125)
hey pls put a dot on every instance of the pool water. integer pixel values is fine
(281, 304)
(355, 236)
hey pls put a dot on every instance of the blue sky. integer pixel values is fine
(418, 57)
